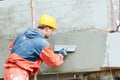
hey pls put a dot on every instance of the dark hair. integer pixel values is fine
(43, 26)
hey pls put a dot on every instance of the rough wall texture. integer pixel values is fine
(3, 53)
(15, 16)
(88, 56)
(113, 50)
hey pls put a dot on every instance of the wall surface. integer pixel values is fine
(89, 54)
(87, 17)
(16, 15)
(113, 50)
(3, 53)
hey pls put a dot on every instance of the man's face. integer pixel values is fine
(48, 32)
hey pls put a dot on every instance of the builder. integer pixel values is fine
(30, 48)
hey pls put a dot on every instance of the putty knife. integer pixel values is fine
(68, 48)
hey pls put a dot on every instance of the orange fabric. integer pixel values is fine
(16, 60)
(11, 45)
(15, 73)
(50, 58)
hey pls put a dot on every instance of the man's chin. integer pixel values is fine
(46, 37)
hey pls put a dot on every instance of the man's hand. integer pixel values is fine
(63, 52)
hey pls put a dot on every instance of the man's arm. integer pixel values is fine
(50, 58)
(11, 44)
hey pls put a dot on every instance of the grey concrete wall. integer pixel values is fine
(71, 15)
(89, 54)
(16, 15)
(112, 50)
(3, 53)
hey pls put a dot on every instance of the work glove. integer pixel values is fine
(63, 53)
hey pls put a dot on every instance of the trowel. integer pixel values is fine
(68, 48)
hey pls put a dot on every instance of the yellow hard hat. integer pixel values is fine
(48, 21)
